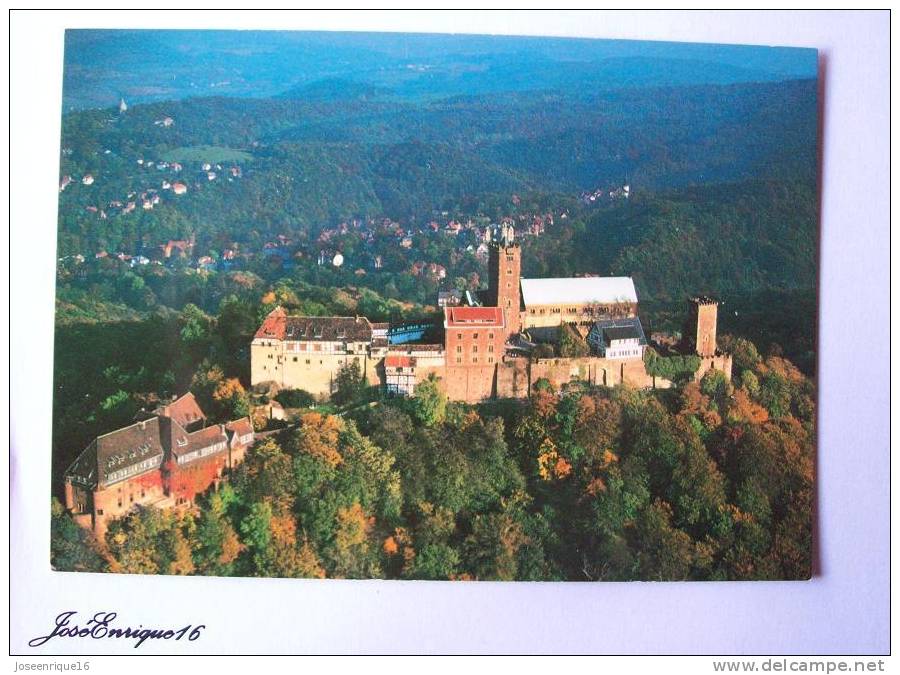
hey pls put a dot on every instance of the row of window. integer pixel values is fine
(489, 359)
(459, 349)
(133, 469)
(614, 353)
(202, 452)
(130, 501)
(475, 336)
(572, 310)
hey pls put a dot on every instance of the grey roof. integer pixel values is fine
(120, 454)
(621, 333)
(602, 332)
(328, 328)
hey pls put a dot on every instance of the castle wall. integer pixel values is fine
(265, 362)
(720, 362)
(516, 376)
(470, 384)
(116, 500)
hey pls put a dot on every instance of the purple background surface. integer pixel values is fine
(843, 609)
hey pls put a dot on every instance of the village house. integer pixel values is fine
(163, 460)
(181, 247)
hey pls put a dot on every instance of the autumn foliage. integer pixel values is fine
(712, 479)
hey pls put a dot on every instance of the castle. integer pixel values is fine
(163, 460)
(492, 346)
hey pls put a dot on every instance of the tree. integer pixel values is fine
(149, 541)
(231, 400)
(429, 404)
(195, 330)
(350, 385)
(295, 398)
(72, 547)
(664, 553)
(570, 344)
(492, 548)
(117, 410)
(266, 476)
(743, 353)
(353, 554)
(217, 542)
(433, 561)
(318, 436)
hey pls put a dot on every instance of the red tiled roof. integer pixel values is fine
(397, 361)
(184, 410)
(204, 437)
(238, 428)
(273, 325)
(472, 317)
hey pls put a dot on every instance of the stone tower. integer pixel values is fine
(504, 271)
(699, 334)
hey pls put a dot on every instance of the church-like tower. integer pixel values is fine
(504, 273)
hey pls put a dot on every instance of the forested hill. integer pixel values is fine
(714, 239)
(319, 160)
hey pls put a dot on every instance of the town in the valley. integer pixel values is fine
(498, 342)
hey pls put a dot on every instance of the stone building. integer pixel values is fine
(307, 352)
(551, 302)
(699, 334)
(474, 343)
(154, 462)
(490, 345)
(504, 272)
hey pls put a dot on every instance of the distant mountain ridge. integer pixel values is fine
(335, 88)
(155, 65)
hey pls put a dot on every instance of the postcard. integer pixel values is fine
(435, 307)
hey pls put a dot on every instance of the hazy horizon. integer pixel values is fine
(155, 65)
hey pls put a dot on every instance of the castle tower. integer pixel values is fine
(504, 272)
(699, 334)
